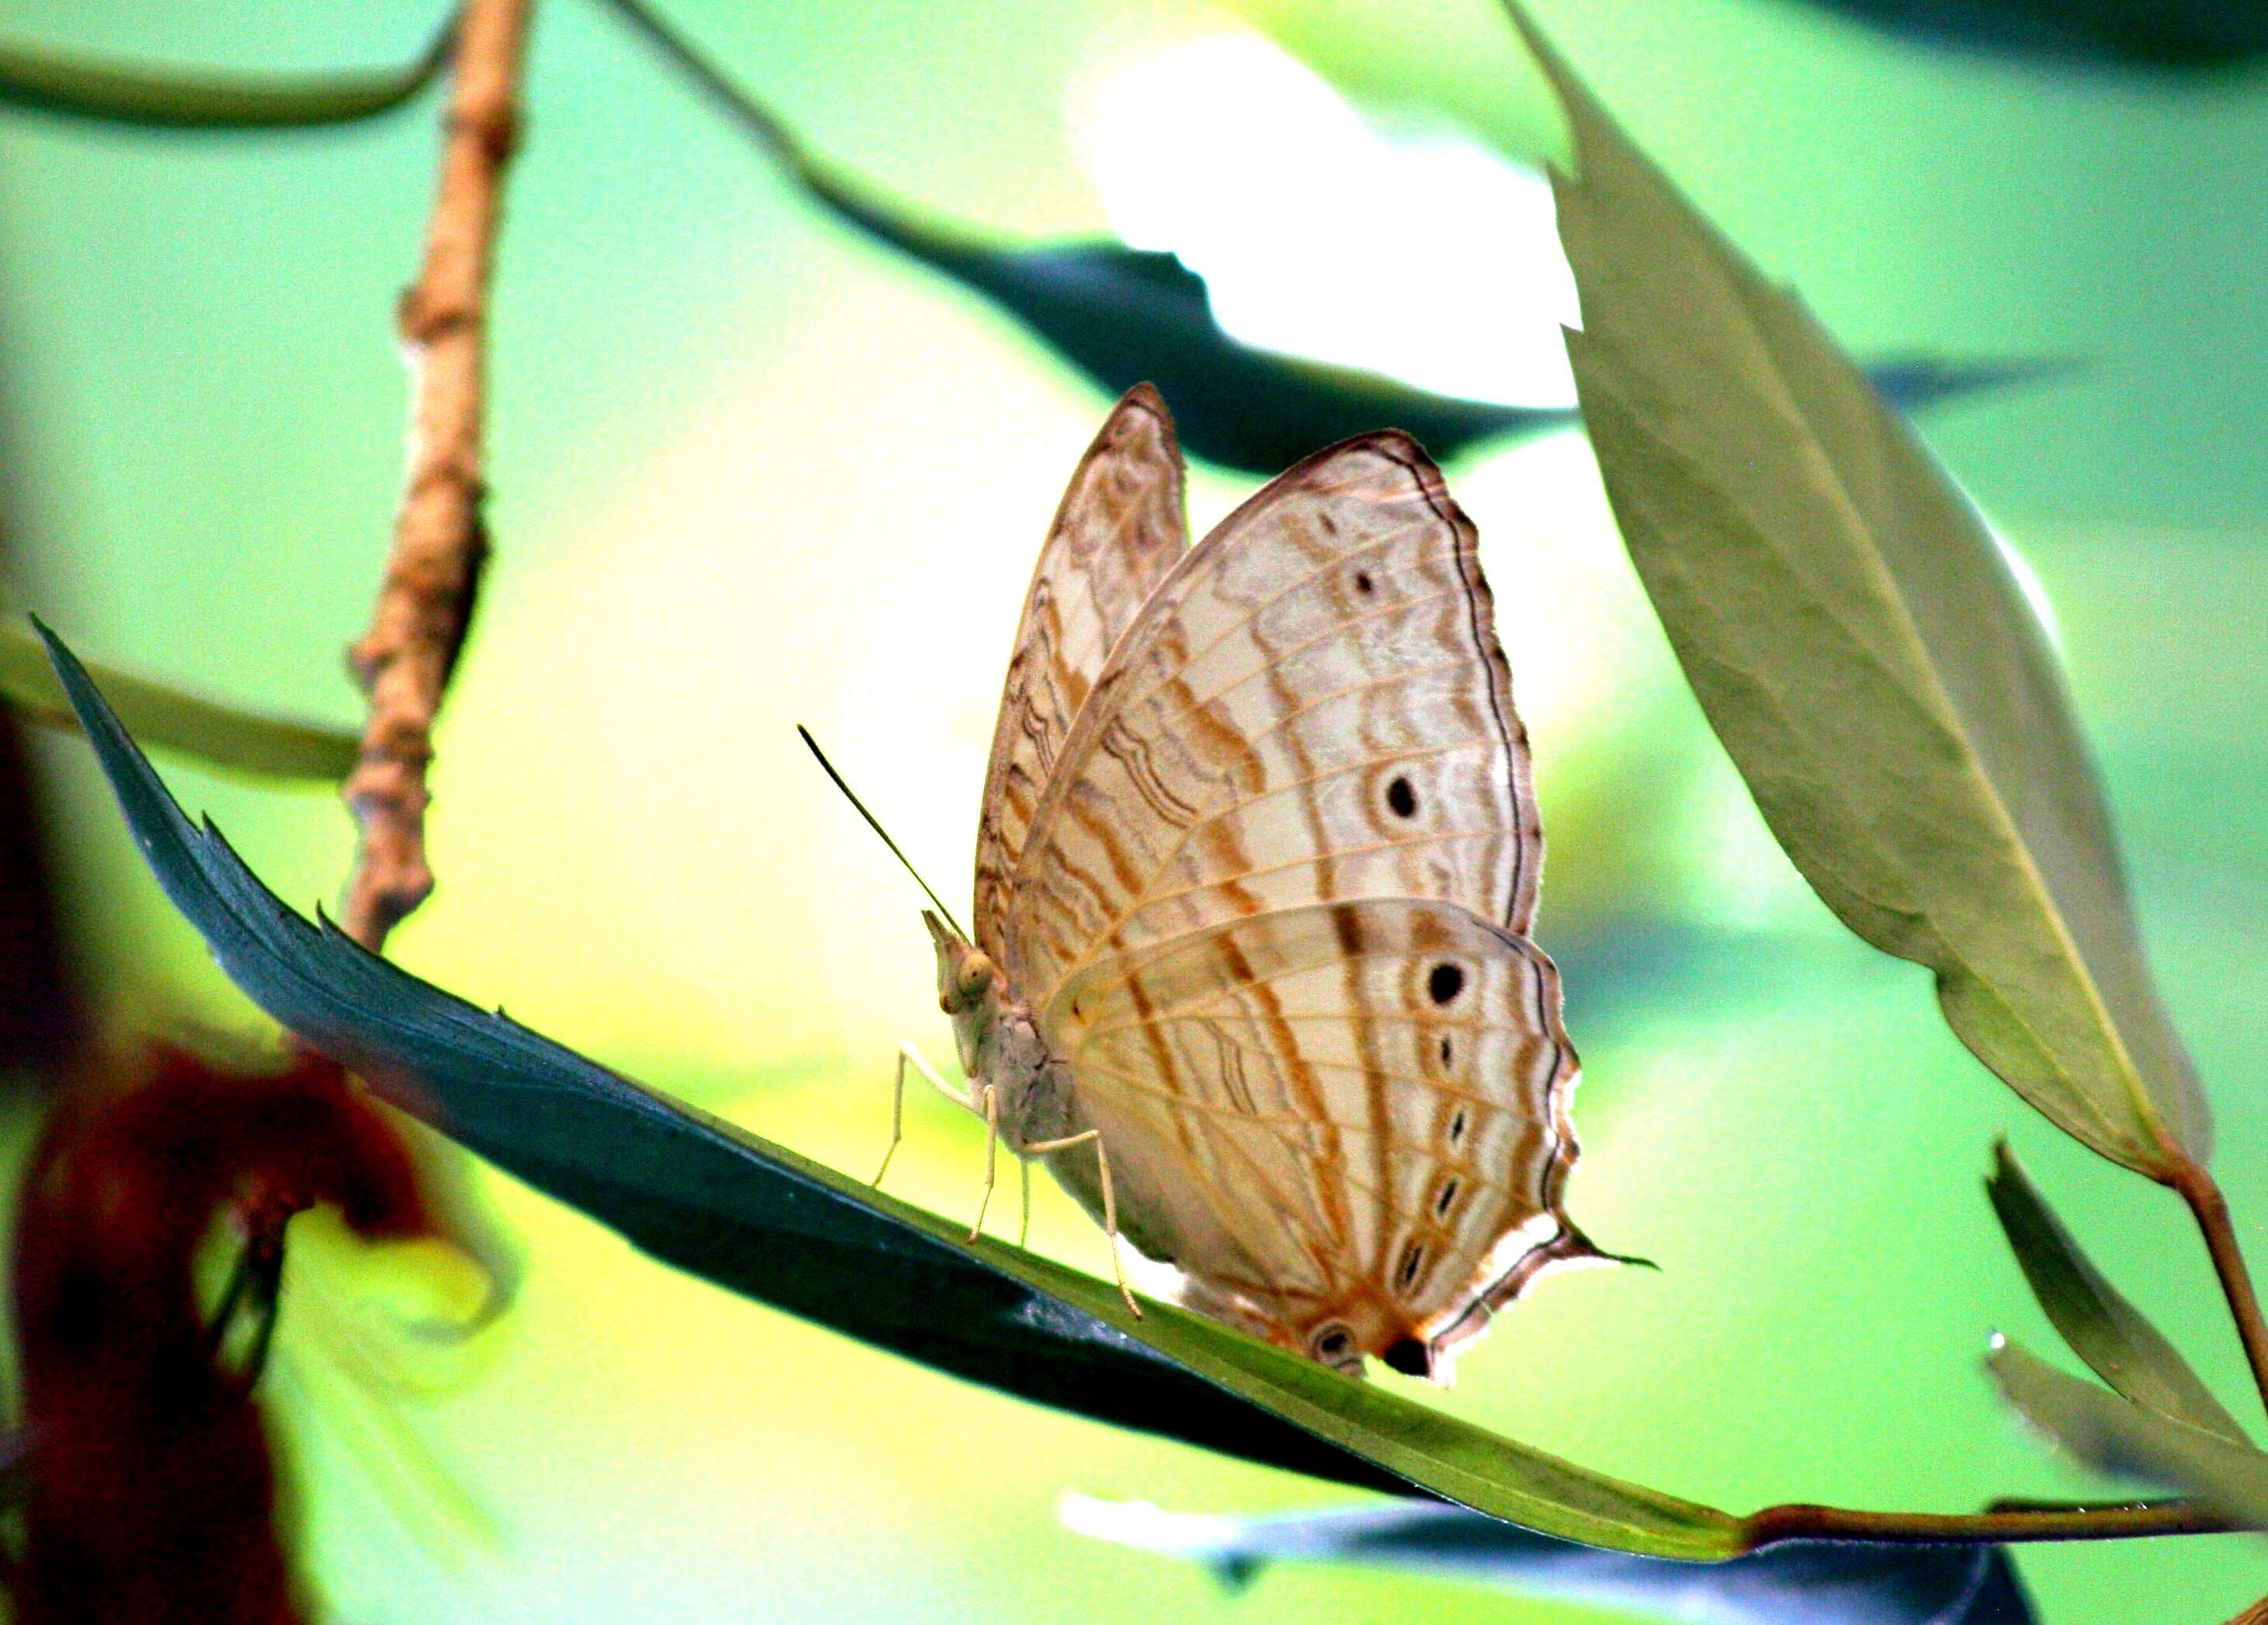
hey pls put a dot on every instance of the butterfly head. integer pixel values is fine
(966, 979)
(998, 1042)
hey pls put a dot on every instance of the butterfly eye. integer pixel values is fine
(975, 976)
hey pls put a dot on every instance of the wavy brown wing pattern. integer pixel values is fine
(1270, 909)
(1347, 1122)
(1311, 708)
(1118, 532)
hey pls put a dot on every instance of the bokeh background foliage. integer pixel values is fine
(748, 470)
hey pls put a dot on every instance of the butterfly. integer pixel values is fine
(1257, 856)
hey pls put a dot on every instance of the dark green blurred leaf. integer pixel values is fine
(702, 1195)
(2117, 1436)
(118, 92)
(1794, 1583)
(1863, 652)
(1124, 316)
(2114, 1339)
(2164, 33)
(219, 737)
(42, 1013)
(44, 1018)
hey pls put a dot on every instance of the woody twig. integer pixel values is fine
(432, 572)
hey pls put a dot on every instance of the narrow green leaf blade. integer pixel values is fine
(2115, 1339)
(1862, 649)
(758, 1219)
(1807, 1582)
(2116, 1436)
(217, 735)
(116, 92)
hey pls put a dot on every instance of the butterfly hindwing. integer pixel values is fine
(1342, 1116)
(1117, 533)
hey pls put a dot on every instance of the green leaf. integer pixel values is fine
(1794, 1583)
(2114, 1339)
(115, 92)
(2119, 1437)
(1861, 648)
(236, 741)
(1124, 316)
(2164, 33)
(758, 1219)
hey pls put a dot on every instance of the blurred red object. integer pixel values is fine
(150, 1494)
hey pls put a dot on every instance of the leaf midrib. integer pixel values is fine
(1931, 693)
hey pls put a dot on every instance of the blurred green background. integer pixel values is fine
(749, 471)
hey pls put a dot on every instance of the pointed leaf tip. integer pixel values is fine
(2117, 1341)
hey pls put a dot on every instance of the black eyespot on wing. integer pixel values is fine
(1446, 982)
(1448, 1058)
(1362, 582)
(1456, 1123)
(1448, 1195)
(1333, 1341)
(1410, 1357)
(1402, 798)
(1412, 1261)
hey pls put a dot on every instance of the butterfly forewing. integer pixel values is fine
(1313, 707)
(1117, 534)
(1356, 1104)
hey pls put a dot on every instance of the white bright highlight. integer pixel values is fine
(1428, 259)
(2029, 582)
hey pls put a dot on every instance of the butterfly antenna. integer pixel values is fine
(875, 825)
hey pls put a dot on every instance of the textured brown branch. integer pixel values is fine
(434, 570)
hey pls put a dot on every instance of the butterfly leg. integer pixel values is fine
(1024, 1230)
(991, 1156)
(1109, 1201)
(907, 1052)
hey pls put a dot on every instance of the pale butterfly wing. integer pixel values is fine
(1116, 535)
(1347, 1121)
(1312, 707)
(1296, 791)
